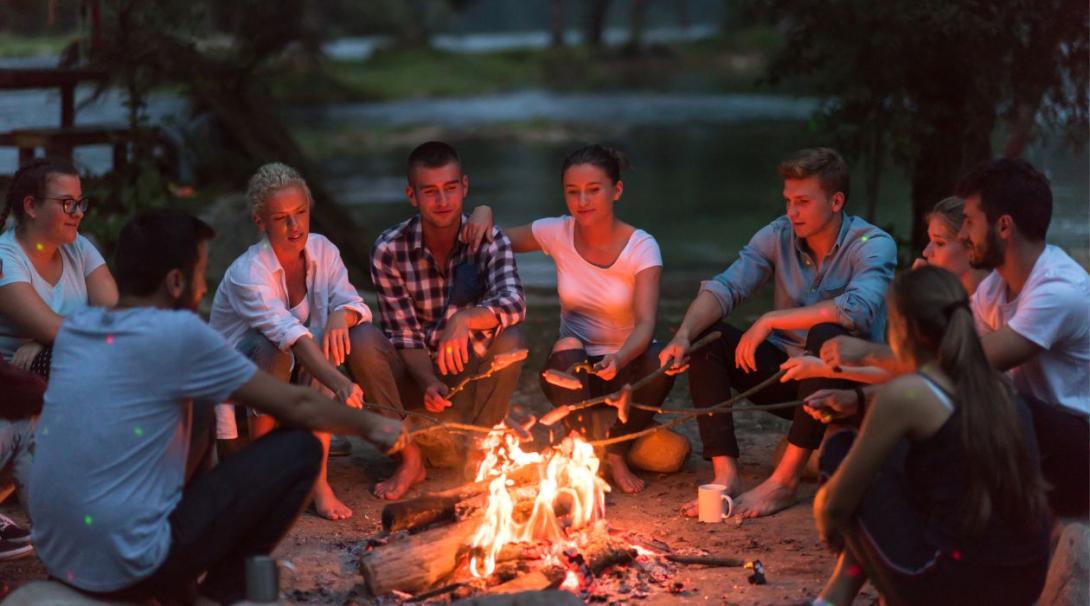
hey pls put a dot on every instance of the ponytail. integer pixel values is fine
(1000, 473)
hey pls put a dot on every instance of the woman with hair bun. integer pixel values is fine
(608, 282)
(939, 499)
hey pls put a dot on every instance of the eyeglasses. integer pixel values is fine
(69, 205)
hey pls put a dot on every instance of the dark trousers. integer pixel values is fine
(240, 508)
(386, 380)
(600, 421)
(712, 375)
(1063, 438)
(888, 538)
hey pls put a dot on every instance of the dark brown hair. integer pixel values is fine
(610, 160)
(30, 180)
(824, 163)
(1001, 476)
(431, 154)
(1011, 186)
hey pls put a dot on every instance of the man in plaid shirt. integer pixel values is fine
(448, 304)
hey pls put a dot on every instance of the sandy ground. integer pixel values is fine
(321, 556)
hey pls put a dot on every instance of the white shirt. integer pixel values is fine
(1053, 311)
(597, 304)
(79, 259)
(254, 294)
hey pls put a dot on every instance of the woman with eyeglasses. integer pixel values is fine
(50, 270)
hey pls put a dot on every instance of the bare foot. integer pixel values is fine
(764, 500)
(734, 487)
(328, 505)
(409, 472)
(622, 476)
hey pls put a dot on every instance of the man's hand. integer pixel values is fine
(803, 367)
(453, 352)
(24, 356)
(336, 345)
(435, 397)
(825, 405)
(350, 393)
(845, 351)
(745, 355)
(676, 355)
(606, 368)
(478, 228)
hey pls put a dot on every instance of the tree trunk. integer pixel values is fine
(596, 22)
(558, 23)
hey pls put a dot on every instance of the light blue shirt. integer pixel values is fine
(854, 275)
(112, 441)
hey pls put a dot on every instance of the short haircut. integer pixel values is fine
(152, 244)
(271, 178)
(432, 154)
(824, 163)
(30, 180)
(1011, 186)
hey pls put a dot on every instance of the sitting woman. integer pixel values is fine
(287, 304)
(607, 275)
(939, 499)
(50, 270)
(944, 250)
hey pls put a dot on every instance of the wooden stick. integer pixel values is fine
(711, 561)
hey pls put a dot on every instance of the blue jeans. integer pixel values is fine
(17, 449)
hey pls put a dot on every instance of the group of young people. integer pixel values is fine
(939, 484)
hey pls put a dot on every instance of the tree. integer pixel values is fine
(929, 82)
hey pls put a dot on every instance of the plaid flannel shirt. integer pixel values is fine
(413, 294)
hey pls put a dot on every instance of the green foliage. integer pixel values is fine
(928, 81)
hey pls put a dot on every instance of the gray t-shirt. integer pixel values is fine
(112, 440)
(80, 258)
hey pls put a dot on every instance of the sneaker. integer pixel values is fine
(339, 446)
(12, 532)
(12, 551)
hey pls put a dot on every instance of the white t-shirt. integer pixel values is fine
(597, 304)
(80, 258)
(1053, 311)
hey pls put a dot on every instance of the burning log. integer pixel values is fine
(442, 506)
(418, 561)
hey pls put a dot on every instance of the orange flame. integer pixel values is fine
(569, 482)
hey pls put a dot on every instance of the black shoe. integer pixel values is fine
(12, 551)
(12, 533)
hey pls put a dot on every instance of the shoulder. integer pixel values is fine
(551, 225)
(9, 247)
(907, 394)
(863, 236)
(643, 244)
(322, 248)
(393, 234)
(1057, 273)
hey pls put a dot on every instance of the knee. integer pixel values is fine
(369, 340)
(820, 333)
(566, 344)
(268, 357)
(510, 339)
(834, 450)
(305, 447)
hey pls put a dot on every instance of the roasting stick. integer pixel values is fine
(560, 412)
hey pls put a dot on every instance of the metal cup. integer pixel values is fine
(262, 580)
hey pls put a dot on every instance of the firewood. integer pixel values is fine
(417, 561)
(441, 506)
(546, 578)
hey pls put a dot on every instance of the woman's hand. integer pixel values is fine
(606, 368)
(676, 355)
(336, 344)
(24, 356)
(803, 367)
(478, 228)
(826, 405)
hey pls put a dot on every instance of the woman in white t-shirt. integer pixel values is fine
(49, 269)
(608, 281)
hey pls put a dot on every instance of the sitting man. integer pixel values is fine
(115, 509)
(831, 271)
(439, 299)
(1033, 316)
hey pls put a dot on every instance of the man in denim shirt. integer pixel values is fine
(830, 271)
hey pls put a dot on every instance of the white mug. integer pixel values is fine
(709, 503)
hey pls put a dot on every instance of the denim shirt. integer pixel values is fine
(854, 275)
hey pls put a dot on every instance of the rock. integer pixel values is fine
(55, 594)
(1068, 580)
(663, 451)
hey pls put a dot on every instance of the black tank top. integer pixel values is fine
(936, 474)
